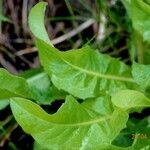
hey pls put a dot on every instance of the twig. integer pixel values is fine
(26, 51)
(4, 41)
(72, 33)
(24, 15)
(101, 28)
(14, 16)
(6, 137)
(1, 12)
(7, 65)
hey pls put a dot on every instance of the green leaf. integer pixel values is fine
(43, 90)
(12, 86)
(141, 74)
(72, 124)
(84, 72)
(142, 144)
(147, 1)
(100, 105)
(36, 22)
(38, 147)
(136, 135)
(139, 12)
(130, 99)
(140, 18)
(141, 130)
(2, 17)
(30, 73)
(127, 4)
(4, 103)
(40, 87)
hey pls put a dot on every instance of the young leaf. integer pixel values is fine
(141, 74)
(12, 86)
(4, 103)
(72, 125)
(101, 105)
(42, 89)
(130, 99)
(84, 72)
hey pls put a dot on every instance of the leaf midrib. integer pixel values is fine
(100, 75)
(97, 120)
(85, 123)
(16, 94)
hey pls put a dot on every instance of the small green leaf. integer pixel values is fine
(72, 125)
(130, 99)
(2, 17)
(141, 74)
(140, 18)
(12, 86)
(4, 103)
(43, 90)
(136, 134)
(101, 105)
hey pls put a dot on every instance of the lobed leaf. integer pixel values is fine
(43, 90)
(85, 73)
(71, 126)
